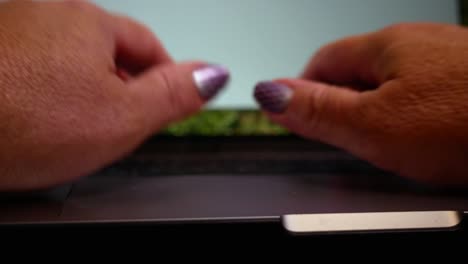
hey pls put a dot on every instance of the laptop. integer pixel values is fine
(229, 164)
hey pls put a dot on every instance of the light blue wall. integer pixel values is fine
(264, 39)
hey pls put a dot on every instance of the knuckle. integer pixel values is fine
(394, 33)
(317, 103)
(404, 32)
(82, 5)
(175, 104)
(403, 28)
(312, 111)
(166, 83)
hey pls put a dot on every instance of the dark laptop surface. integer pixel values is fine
(254, 179)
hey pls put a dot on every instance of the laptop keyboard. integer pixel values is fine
(261, 155)
(285, 156)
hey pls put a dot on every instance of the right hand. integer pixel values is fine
(81, 88)
(397, 98)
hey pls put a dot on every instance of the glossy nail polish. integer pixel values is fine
(210, 80)
(273, 97)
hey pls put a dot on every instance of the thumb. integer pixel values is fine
(314, 110)
(171, 92)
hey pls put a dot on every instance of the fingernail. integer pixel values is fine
(210, 80)
(273, 97)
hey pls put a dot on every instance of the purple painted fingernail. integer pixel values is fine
(273, 97)
(210, 80)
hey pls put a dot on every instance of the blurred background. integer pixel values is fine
(272, 38)
(245, 122)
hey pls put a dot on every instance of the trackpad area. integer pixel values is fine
(238, 197)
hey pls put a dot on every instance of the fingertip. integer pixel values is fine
(273, 97)
(178, 90)
(210, 80)
(310, 109)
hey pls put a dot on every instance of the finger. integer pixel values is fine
(352, 62)
(313, 110)
(171, 92)
(136, 47)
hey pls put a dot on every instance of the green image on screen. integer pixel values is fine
(263, 40)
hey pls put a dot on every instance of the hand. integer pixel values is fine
(396, 98)
(81, 88)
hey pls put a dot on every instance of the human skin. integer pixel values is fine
(81, 88)
(396, 98)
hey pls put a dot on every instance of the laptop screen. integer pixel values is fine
(266, 39)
